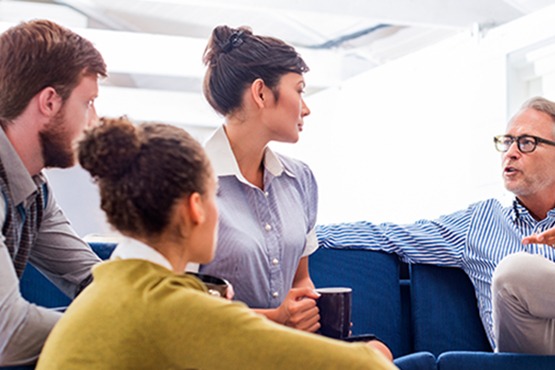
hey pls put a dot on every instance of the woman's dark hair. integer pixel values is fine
(236, 57)
(142, 171)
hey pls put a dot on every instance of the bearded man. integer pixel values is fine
(48, 84)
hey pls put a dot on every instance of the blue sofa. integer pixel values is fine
(427, 315)
(421, 312)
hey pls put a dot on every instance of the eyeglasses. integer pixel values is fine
(525, 143)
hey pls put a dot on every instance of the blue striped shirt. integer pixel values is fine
(474, 239)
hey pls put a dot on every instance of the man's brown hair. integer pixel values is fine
(39, 54)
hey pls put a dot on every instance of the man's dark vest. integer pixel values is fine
(18, 239)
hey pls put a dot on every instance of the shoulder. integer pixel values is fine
(488, 205)
(296, 167)
(482, 213)
(148, 282)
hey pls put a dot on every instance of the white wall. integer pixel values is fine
(410, 139)
(413, 138)
(79, 197)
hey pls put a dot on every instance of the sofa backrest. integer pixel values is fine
(435, 311)
(444, 312)
(36, 288)
(441, 304)
(374, 278)
(103, 249)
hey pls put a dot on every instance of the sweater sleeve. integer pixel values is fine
(234, 335)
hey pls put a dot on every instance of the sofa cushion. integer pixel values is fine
(417, 361)
(374, 278)
(444, 311)
(462, 360)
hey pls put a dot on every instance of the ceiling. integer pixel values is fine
(153, 48)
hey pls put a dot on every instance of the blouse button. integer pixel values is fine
(275, 261)
(268, 227)
(275, 294)
(266, 194)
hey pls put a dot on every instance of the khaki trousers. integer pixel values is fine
(523, 292)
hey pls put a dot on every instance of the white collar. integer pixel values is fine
(129, 248)
(224, 163)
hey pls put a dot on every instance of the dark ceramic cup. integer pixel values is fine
(335, 311)
(217, 287)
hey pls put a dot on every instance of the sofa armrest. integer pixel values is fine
(36, 288)
(444, 311)
(374, 278)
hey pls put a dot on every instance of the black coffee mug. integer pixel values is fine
(335, 311)
(217, 287)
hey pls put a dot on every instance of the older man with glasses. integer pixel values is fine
(505, 250)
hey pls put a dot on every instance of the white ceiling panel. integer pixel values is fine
(157, 45)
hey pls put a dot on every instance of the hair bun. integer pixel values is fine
(110, 149)
(224, 40)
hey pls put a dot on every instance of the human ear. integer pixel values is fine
(49, 102)
(258, 91)
(196, 209)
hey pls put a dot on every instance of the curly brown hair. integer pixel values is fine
(142, 170)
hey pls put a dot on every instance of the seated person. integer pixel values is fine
(495, 244)
(141, 311)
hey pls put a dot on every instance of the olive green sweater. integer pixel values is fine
(139, 315)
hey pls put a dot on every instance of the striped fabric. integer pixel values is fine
(475, 240)
(20, 227)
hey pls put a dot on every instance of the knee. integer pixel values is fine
(513, 271)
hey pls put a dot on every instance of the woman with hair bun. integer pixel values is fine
(267, 202)
(141, 311)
